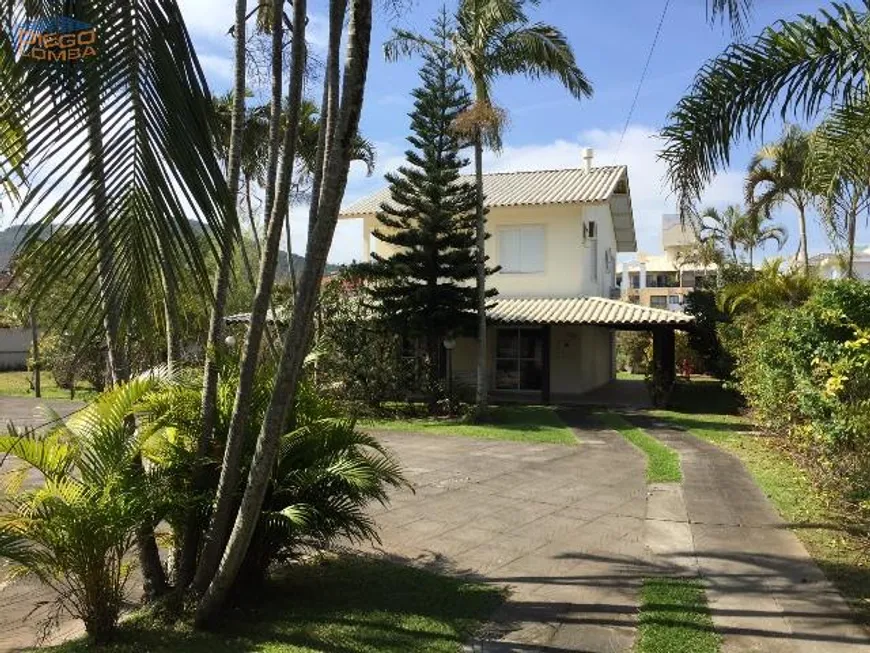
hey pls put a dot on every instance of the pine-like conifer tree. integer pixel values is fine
(426, 289)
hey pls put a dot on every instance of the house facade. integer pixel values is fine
(832, 266)
(662, 281)
(555, 235)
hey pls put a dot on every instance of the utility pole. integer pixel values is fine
(34, 335)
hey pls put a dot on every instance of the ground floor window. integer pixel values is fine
(519, 359)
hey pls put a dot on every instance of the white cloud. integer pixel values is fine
(217, 68)
(208, 18)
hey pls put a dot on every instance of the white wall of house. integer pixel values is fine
(581, 359)
(556, 259)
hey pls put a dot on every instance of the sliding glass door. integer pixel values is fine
(519, 359)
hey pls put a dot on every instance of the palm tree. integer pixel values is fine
(339, 124)
(723, 228)
(755, 232)
(75, 529)
(838, 171)
(777, 175)
(140, 132)
(799, 67)
(770, 287)
(492, 38)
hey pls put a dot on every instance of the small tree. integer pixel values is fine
(423, 289)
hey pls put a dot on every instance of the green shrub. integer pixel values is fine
(633, 351)
(71, 359)
(75, 529)
(805, 372)
(706, 338)
(326, 474)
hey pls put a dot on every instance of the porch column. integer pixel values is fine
(664, 357)
(545, 382)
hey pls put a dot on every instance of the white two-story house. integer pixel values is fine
(556, 235)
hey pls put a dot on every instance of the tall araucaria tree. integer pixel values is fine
(492, 38)
(422, 289)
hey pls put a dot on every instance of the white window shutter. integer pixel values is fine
(509, 253)
(533, 249)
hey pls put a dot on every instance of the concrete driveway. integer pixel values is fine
(562, 526)
(573, 531)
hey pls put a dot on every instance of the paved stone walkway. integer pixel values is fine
(765, 592)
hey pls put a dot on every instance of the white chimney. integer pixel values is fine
(588, 155)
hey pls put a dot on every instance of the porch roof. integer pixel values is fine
(593, 311)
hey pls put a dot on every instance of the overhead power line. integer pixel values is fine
(643, 74)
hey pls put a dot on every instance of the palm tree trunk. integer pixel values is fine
(249, 205)
(193, 528)
(328, 107)
(299, 335)
(853, 229)
(291, 266)
(170, 318)
(276, 101)
(34, 345)
(482, 352)
(804, 248)
(232, 463)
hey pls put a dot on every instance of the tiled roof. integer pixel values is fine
(535, 187)
(596, 311)
(593, 311)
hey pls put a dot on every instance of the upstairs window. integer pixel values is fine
(522, 250)
(590, 233)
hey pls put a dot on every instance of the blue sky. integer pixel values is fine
(547, 127)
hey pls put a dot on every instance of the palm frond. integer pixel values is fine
(736, 12)
(140, 161)
(796, 66)
(404, 44)
(541, 50)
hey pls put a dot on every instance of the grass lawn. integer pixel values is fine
(518, 423)
(799, 502)
(16, 384)
(662, 462)
(630, 376)
(348, 604)
(674, 618)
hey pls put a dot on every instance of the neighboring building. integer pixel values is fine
(663, 280)
(832, 266)
(556, 235)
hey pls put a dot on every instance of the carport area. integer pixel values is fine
(563, 350)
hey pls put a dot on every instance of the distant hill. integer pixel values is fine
(11, 238)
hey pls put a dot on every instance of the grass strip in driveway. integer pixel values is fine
(662, 462)
(516, 423)
(347, 604)
(837, 552)
(674, 618)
